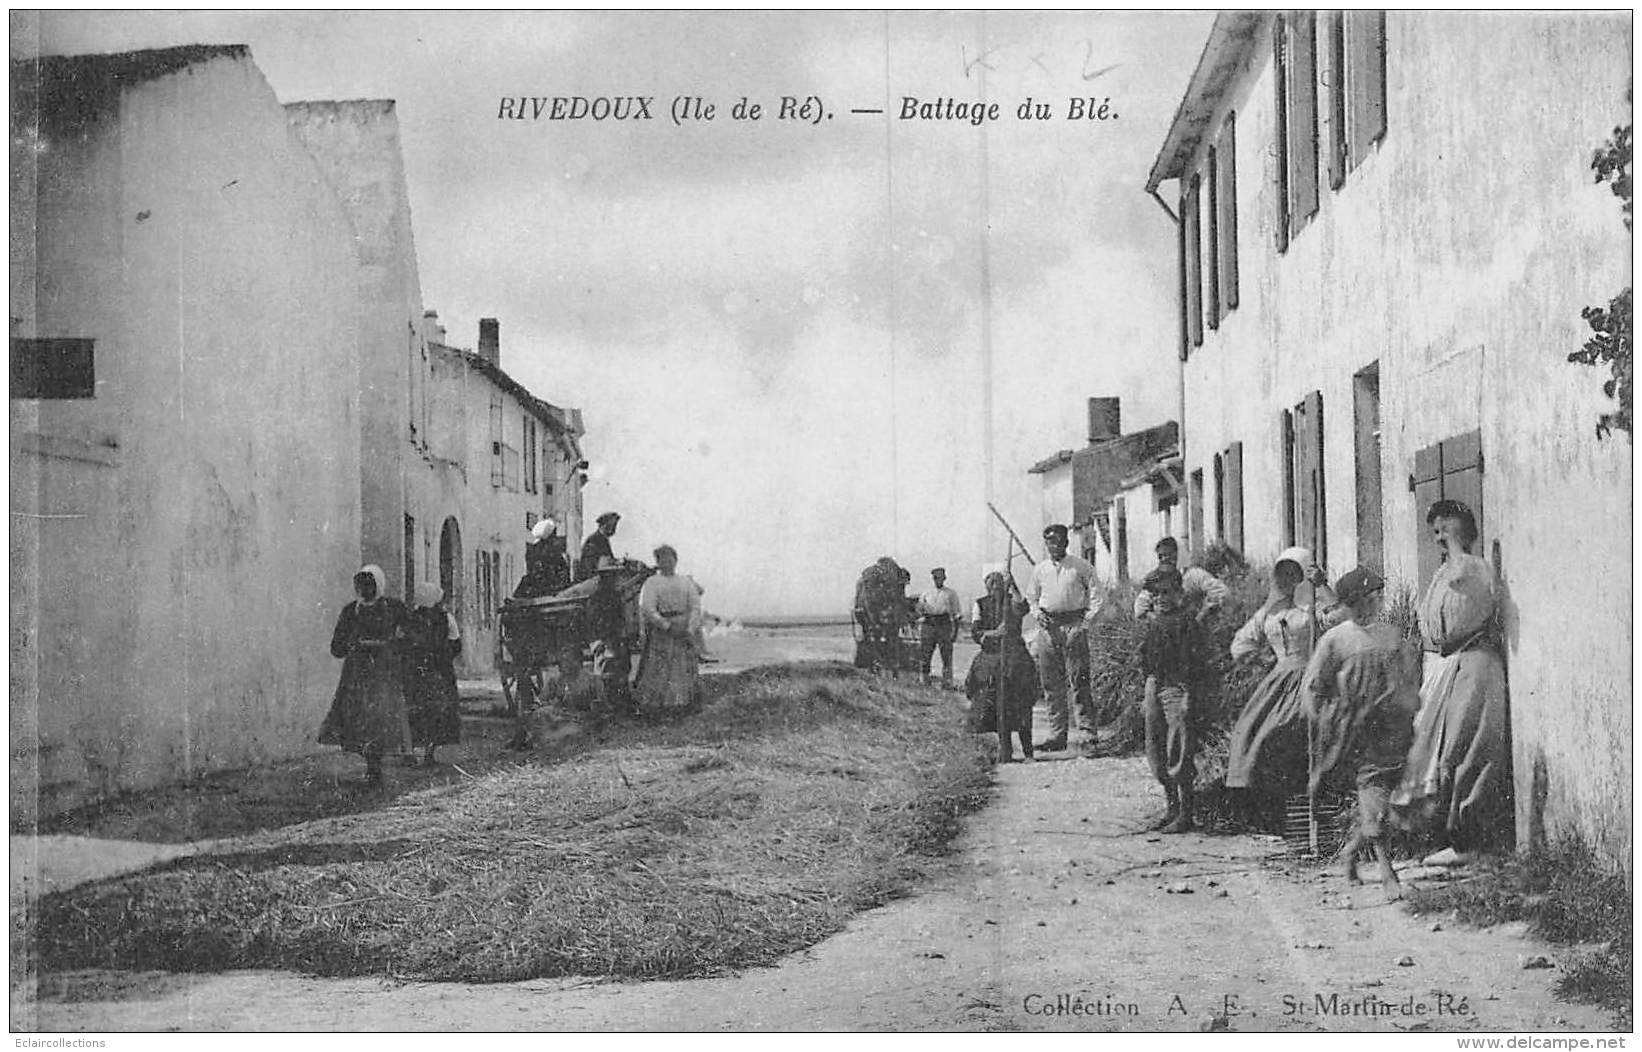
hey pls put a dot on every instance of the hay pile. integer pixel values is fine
(729, 839)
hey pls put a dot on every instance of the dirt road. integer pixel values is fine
(1058, 913)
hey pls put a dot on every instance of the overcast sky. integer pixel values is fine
(775, 329)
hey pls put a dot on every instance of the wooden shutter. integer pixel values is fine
(1426, 483)
(1234, 502)
(1220, 499)
(1194, 511)
(1290, 497)
(1120, 547)
(1279, 44)
(1213, 284)
(1194, 261)
(1228, 214)
(1365, 80)
(1316, 478)
(1302, 114)
(1185, 301)
(1334, 79)
(1305, 520)
(1462, 478)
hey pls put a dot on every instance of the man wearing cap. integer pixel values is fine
(597, 546)
(1202, 592)
(1065, 598)
(939, 613)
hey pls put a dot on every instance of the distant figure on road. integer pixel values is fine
(939, 614)
(1003, 670)
(368, 711)
(1065, 598)
(1174, 656)
(880, 610)
(669, 610)
(432, 642)
(698, 632)
(597, 547)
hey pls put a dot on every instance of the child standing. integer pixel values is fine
(1003, 672)
(1175, 653)
(1361, 689)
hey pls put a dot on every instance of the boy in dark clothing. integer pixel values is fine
(1175, 652)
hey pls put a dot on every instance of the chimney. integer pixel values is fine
(490, 341)
(432, 331)
(1104, 420)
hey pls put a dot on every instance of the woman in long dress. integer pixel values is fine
(433, 641)
(669, 610)
(1003, 670)
(1267, 751)
(1458, 777)
(368, 711)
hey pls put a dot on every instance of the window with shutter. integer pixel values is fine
(1304, 492)
(495, 439)
(1302, 114)
(1194, 261)
(1370, 521)
(1121, 538)
(1290, 500)
(1220, 498)
(1365, 46)
(410, 558)
(1194, 514)
(1449, 470)
(1335, 81)
(1228, 214)
(1213, 284)
(1317, 490)
(1185, 295)
(1280, 68)
(1234, 498)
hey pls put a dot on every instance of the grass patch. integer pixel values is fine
(1566, 898)
(723, 840)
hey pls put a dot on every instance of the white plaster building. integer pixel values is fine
(1388, 228)
(185, 464)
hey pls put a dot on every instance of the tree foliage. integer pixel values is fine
(1610, 341)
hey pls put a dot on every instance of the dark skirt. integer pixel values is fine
(1020, 689)
(368, 712)
(1267, 747)
(435, 714)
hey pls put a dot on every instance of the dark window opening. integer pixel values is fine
(53, 368)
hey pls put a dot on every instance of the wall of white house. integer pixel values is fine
(1458, 256)
(182, 541)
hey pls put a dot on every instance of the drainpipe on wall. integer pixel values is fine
(1180, 293)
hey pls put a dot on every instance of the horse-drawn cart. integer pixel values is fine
(545, 642)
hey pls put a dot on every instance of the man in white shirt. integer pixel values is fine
(1065, 599)
(939, 614)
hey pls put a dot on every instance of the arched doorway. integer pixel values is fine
(450, 565)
